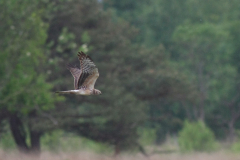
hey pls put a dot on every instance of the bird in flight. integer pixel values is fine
(84, 77)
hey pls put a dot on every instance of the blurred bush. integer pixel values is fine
(7, 142)
(196, 136)
(235, 147)
(147, 136)
(59, 140)
(6, 139)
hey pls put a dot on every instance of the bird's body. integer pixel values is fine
(84, 77)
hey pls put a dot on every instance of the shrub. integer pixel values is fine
(147, 136)
(6, 141)
(59, 140)
(235, 147)
(196, 136)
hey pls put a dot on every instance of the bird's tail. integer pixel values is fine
(64, 92)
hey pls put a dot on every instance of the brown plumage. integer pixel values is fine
(84, 77)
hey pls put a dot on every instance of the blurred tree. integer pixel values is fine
(209, 52)
(161, 83)
(22, 81)
(204, 48)
(156, 20)
(228, 114)
(114, 116)
(209, 42)
(130, 75)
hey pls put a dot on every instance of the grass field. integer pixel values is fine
(85, 155)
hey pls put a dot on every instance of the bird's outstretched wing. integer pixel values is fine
(76, 72)
(89, 72)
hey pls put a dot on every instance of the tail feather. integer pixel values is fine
(63, 92)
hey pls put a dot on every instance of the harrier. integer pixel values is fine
(84, 77)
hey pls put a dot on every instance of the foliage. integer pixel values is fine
(6, 139)
(126, 74)
(235, 147)
(58, 140)
(196, 136)
(147, 136)
(23, 85)
(160, 62)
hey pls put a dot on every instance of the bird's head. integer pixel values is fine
(96, 92)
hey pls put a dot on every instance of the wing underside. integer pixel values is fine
(76, 73)
(89, 72)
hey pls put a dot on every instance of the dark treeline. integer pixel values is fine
(161, 62)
